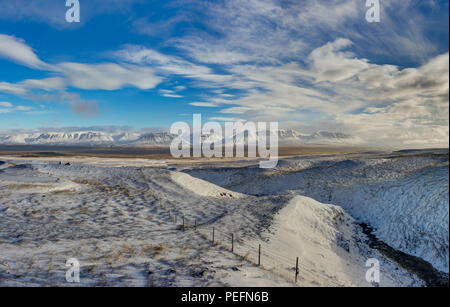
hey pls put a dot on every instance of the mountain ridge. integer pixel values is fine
(136, 139)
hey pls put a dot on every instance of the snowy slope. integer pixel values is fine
(404, 198)
(123, 223)
(119, 224)
(201, 187)
(324, 238)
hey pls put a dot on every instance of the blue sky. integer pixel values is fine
(311, 65)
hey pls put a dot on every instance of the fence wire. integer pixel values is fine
(260, 254)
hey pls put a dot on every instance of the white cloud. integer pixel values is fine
(329, 63)
(46, 84)
(12, 88)
(264, 31)
(274, 31)
(25, 87)
(16, 50)
(382, 104)
(108, 76)
(105, 76)
(5, 104)
(172, 95)
(236, 110)
(9, 108)
(203, 104)
(167, 65)
(23, 108)
(180, 88)
(226, 119)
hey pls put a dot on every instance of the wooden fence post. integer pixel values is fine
(232, 243)
(213, 236)
(183, 222)
(195, 225)
(259, 255)
(296, 270)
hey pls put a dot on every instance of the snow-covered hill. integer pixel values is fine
(404, 197)
(124, 225)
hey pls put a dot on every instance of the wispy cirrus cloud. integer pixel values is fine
(203, 104)
(275, 31)
(8, 107)
(170, 94)
(168, 65)
(226, 119)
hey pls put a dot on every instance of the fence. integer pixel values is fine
(259, 254)
(291, 269)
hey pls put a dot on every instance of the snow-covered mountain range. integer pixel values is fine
(137, 139)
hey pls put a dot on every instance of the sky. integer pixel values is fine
(310, 65)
